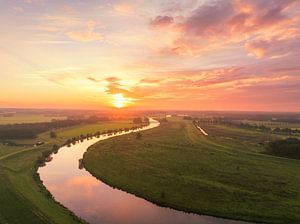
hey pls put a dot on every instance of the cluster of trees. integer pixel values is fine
(289, 148)
(41, 159)
(31, 130)
(287, 131)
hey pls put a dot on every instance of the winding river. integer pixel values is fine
(98, 203)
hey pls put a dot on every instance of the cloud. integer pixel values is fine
(257, 48)
(273, 48)
(207, 18)
(114, 87)
(287, 69)
(88, 35)
(214, 24)
(112, 79)
(162, 21)
(93, 79)
(32, 1)
(18, 9)
(123, 8)
(187, 87)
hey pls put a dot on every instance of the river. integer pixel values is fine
(98, 203)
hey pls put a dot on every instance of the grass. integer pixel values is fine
(5, 149)
(92, 128)
(272, 124)
(23, 199)
(24, 118)
(65, 133)
(174, 165)
(240, 138)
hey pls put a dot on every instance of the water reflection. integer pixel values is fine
(99, 203)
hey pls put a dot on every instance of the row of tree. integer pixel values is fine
(31, 130)
(110, 132)
(287, 131)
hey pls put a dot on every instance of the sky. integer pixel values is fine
(138, 54)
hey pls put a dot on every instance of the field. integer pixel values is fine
(240, 138)
(224, 174)
(23, 118)
(271, 124)
(5, 149)
(21, 192)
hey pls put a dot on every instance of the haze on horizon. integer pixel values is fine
(192, 55)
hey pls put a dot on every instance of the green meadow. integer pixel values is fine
(23, 199)
(224, 174)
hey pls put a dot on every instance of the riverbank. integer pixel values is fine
(174, 166)
(22, 192)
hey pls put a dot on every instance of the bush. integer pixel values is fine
(289, 148)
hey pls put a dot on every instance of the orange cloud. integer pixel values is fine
(87, 35)
(257, 48)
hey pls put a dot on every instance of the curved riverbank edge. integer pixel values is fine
(36, 177)
(46, 157)
(144, 196)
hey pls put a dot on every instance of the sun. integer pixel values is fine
(119, 101)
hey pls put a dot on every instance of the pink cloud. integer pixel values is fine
(162, 21)
(216, 23)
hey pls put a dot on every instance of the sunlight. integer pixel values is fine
(119, 101)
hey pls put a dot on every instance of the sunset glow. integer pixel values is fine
(194, 54)
(118, 100)
(142, 112)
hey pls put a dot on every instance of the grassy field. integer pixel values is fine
(175, 165)
(271, 124)
(5, 149)
(18, 119)
(22, 198)
(240, 138)
(92, 128)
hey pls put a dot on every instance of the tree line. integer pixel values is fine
(31, 130)
(289, 148)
